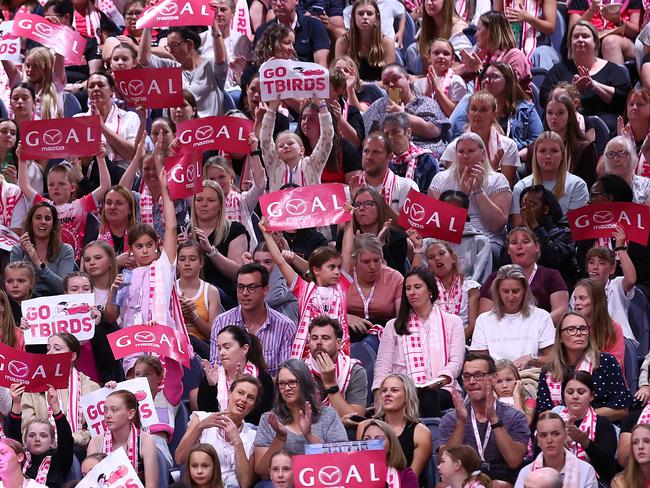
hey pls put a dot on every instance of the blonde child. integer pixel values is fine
(19, 282)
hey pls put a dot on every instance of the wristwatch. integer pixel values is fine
(332, 390)
(533, 358)
(497, 424)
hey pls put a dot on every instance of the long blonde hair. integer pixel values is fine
(8, 330)
(633, 475)
(48, 95)
(352, 41)
(395, 457)
(222, 225)
(559, 365)
(560, 180)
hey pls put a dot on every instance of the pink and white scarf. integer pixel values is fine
(43, 469)
(408, 158)
(528, 32)
(131, 445)
(233, 206)
(146, 206)
(450, 301)
(392, 478)
(588, 424)
(105, 234)
(555, 386)
(9, 197)
(343, 372)
(74, 412)
(644, 418)
(387, 186)
(423, 365)
(571, 468)
(223, 385)
(312, 305)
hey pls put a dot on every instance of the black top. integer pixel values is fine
(210, 273)
(207, 399)
(305, 241)
(368, 72)
(61, 457)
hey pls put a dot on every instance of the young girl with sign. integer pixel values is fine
(227, 432)
(166, 385)
(62, 187)
(49, 452)
(285, 159)
(200, 301)
(123, 431)
(203, 470)
(19, 283)
(10, 334)
(12, 460)
(460, 467)
(326, 294)
(36, 405)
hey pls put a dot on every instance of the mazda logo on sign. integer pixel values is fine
(191, 170)
(204, 132)
(136, 87)
(43, 29)
(144, 336)
(330, 475)
(18, 369)
(603, 217)
(296, 206)
(169, 9)
(416, 212)
(52, 137)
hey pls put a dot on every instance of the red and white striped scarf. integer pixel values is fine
(146, 206)
(92, 19)
(344, 365)
(423, 365)
(43, 469)
(131, 445)
(571, 468)
(233, 206)
(406, 162)
(445, 80)
(555, 386)
(588, 424)
(106, 235)
(392, 478)
(452, 300)
(223, 385)
(74, 412)
(9, 196)
(644, 418)
(387, 186)
(312, 305)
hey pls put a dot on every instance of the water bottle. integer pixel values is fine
(123, 292)
(516, 30)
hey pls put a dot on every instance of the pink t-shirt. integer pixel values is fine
(72, 217)
(618, 350)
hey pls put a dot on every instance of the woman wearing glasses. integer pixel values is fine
(621, 160)
(297, 418)
(575, 350)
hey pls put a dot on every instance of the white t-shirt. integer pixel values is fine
(225, 450)
(513, 336)
(576, 193)
(400, 190)
(390, 10)
(618, 304)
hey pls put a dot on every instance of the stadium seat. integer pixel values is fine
(639, 317)
(536, 101)
(433, 423)
(180, 427)
(164, 470)
(71, 105)
(364, 353)
(409, 35)
(538, 76)
(631, 365)
(557, 37)
(602, 132)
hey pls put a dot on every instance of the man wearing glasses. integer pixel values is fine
(498, 432)
(274, 330)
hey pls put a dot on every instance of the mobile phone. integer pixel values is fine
(357, 418)
(395, 94)
(317, 10)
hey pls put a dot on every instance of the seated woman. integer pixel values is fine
(50, 447)
(516, 114)
(489, 191)
(515, 328)
(560, 117)
(117, 217)
(546, 284)
(377, 293)
(482, 119)
(297, 418)
(36, 405)
(636, 470)
(396, 403)
(14, 458)
(550, 169)
(551, 438)
(592, 437)
(41, 246)
(441, 342)
(239, 353)
(428, 123)
(576, 350)
(620, 159)
(590, 301)
(397, 471)
(365, 43)
(456, 294)
(603, 84)
(541, 212)
(636, 125)
(227, 431)
(123, 431)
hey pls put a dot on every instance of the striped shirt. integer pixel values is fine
(276, 335)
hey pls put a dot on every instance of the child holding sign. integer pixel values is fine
(326, 294)
(61, 188)
(50, 452)
(36, 405)
(285, 158)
